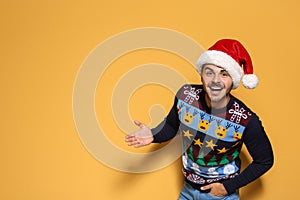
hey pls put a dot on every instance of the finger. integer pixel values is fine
(138, 145)
(139, 124)
(129, 137)
(132, 143)
(206, 187)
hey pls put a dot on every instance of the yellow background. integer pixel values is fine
(43, 44)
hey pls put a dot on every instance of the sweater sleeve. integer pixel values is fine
(260, 149)
(168, 128)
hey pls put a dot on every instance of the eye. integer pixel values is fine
(208, 73)
(224, 74)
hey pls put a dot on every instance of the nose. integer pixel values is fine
(216, 78)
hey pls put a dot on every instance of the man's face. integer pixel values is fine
(217, 83)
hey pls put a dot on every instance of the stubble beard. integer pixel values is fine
(217, 100)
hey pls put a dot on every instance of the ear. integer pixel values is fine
(202, 81)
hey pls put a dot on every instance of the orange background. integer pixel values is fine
(44, 43)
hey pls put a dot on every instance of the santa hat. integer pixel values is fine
(234, 58)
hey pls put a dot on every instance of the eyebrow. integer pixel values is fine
(222, 70)
(208, 68)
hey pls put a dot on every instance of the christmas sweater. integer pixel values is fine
(212, 139)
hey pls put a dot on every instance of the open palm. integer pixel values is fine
(141, 137)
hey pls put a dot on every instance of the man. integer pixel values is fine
(214, 126)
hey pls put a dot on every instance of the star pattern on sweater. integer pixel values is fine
(211, 144)
(224, 150)
(198, 142)
(187, 134)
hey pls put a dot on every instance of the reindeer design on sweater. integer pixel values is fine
(188, 116)
(237, 135)
(204, 124)
(221, 131)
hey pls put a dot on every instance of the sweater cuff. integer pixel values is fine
(155, 138)
(229, 186)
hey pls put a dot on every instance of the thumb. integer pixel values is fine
(206, 187)
(138, 123)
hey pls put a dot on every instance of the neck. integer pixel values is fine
(217, 105)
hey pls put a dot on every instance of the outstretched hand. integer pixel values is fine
(141, 137)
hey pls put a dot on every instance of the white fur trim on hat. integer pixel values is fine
(250, 81)
(223, 60)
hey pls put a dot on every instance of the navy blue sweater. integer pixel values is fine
(212, 139)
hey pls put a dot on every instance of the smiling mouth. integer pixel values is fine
(215, 89)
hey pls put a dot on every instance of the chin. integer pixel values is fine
(217, 99)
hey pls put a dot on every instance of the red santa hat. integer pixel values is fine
(233, 57)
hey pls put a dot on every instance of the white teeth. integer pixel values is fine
(214, 88)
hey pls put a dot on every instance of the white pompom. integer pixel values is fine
(250, 81)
